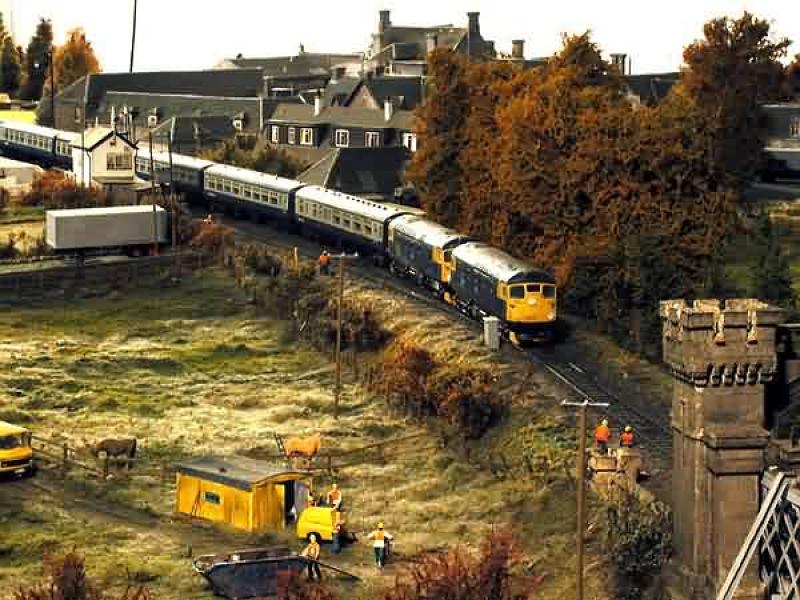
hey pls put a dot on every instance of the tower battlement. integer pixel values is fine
(712, 342)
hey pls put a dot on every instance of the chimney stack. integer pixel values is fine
(385, 20)
(518, 49)
(431, 41)
(619, 61)
(317, 105)
(388, 109)
(473, 22)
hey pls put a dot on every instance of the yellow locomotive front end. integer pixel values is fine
(531, 310)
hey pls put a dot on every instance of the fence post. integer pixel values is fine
(65, 460)
(105, 467)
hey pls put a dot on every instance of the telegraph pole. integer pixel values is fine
(340, 300)
(580, 475)
(133, 34)
(153, 198)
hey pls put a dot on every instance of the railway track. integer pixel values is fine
(650, 421)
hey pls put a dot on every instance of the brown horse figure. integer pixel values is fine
(114, 449)
(305, 447)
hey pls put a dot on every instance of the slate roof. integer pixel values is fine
(234, 83)
(359, 171)
(236, 471)
(367, 118)
(301, 65)
(406, 92)
(339, 93)
(651, 88)
(201, 130)
(447, 36)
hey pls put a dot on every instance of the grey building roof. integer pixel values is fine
(200, 131)
(651, 88)
(339, 92)
(359, 171)
(405, 92)
(416, 37)
(236, 471)
(367, 118)
(300, 65)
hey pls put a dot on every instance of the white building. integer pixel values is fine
(104, 157)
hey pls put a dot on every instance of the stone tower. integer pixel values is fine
(720, 357)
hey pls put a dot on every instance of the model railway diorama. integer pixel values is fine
(478, 279)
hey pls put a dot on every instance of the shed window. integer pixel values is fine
(342, 138)
(373, 139)
(516, 291)
(212, 498)
(794, 127)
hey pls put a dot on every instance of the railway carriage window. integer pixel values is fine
(534, 288)
(516, 291)
(226, 186)
(357, 226)
(336, 219)
(248, 193)
(549, 291)
(346, 223)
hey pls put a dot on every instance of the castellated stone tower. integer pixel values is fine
(720, 356)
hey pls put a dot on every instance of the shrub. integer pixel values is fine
(638, 540)
(8, 247)
(457, 575)
(211, 238)
(53, 189)
(4, 199)
(415, 383)
(292, 586)
(67, 580)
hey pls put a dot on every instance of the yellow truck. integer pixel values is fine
(319, 520)
(16, 455)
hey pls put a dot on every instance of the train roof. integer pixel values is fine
(254, 177)
(178, 160)
(498, 264)
(352, 204)
(37, 129)
(426, 231)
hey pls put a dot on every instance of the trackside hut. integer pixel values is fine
(247, 494)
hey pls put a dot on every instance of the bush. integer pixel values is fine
(4, 200)
(417, 385)
(8, 247)
(211, 238)
(67, 580)
(292, 586)
(53, 190)
(638, 540)
(456, 575)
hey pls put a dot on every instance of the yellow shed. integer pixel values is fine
(245, 493)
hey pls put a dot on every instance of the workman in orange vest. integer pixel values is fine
(602, 435)
(379, 539)
(626, 439)
(335, 497)
(324, 263)
(311, 552)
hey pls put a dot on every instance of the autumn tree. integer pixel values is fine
(257, 156)
(37, 60)
(733, 69)
(435, 170)
(793, 78)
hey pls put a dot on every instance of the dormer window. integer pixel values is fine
(238, 125)
(794, 127)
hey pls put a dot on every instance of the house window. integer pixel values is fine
(118, 161)
(212, 498)
(292, 135)
(794, 127)
(373, 139)
(410, 141)
(276, 134)
(306, 136)
(342, 138)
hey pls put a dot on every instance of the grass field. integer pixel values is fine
(25, 116)
(192, 370)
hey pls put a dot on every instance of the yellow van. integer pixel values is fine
(16, 455)
(319, 520)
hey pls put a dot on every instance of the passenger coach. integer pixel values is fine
(49, 147)
(487, 281)
(250, 192)
(187, 171)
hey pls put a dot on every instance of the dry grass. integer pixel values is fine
(26, 232)
(194, 369)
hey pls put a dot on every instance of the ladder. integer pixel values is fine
(766, 516)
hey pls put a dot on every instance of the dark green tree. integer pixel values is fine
(10, 67)
(774, 281)
(37, 61)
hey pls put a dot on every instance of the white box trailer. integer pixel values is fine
(112, 227)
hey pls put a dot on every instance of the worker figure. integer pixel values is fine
(626, 439)
(602, 435)
(324, 263)
(335, 497)
(338, 540)
(311, 552)
(380, 539)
